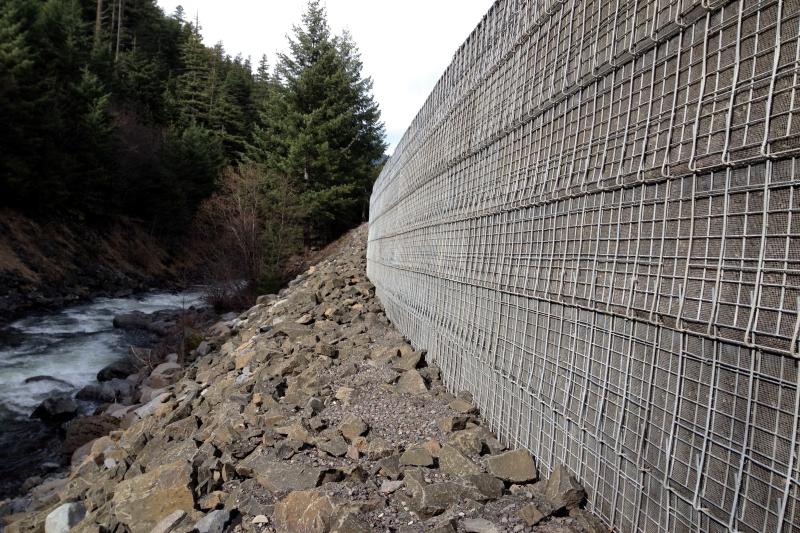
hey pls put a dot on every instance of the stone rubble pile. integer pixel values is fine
(307, 413)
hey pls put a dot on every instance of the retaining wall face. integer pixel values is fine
(593, 224)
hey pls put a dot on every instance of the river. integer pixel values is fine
(71, 345)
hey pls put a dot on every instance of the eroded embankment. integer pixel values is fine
(48, 265)
(309, 412)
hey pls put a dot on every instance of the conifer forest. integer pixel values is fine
(113, 108)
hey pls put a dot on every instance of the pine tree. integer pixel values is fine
(271, 132)
(16, 61)
(261, 81)
(320, 125)
(17, 101)
(232, 114)
(366, 131)
(192, 96)
(93, 131)
(137, 81)
(192, 157)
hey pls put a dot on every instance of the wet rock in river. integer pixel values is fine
(57, 408)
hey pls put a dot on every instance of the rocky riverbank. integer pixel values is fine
(64, 347)
(308, 412)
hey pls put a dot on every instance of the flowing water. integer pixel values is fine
(64, 351)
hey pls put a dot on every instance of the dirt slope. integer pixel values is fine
(50, 264)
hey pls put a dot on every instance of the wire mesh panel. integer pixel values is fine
(593, 224)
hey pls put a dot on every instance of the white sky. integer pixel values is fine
(405, 44)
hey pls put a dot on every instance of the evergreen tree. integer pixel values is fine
(138, 81)
(232, 113)
(320, 125)
(92, 136)
(261, 86)
(192, 159)
(17, 101)
(192, 90)
(269, 143)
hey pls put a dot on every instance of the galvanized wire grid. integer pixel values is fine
(593, 224)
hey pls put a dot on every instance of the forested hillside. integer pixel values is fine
(111, 107)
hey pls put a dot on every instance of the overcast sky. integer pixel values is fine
(405, 45)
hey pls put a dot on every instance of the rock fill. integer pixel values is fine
(309, 412)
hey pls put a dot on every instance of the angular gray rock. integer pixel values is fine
(281, 476)
(515, 466)
(564, 489)
(308, 511)
(144, 500)
(213, 522)
(352, 426)
(531, 514)
(449, 424)
(483, 486)
(64, 517)
(463, 407)
(57, 408)
(388, 487)
(479, 525)
(336, 446)
(169, 522)
(411, 383)
(416, 456)
(164, 375)
(434, 499)
(452, 461)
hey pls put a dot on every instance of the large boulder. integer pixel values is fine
(486, 486)
(416, 456)
(143, 501)
(57, 408)
(96, 392)
(150, 407)
(434, 499)
(302, 301)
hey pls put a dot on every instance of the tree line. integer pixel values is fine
(111, 107)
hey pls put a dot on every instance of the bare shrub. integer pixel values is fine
(244, 232)
(145, 358)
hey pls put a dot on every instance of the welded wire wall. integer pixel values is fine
(593, 224)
